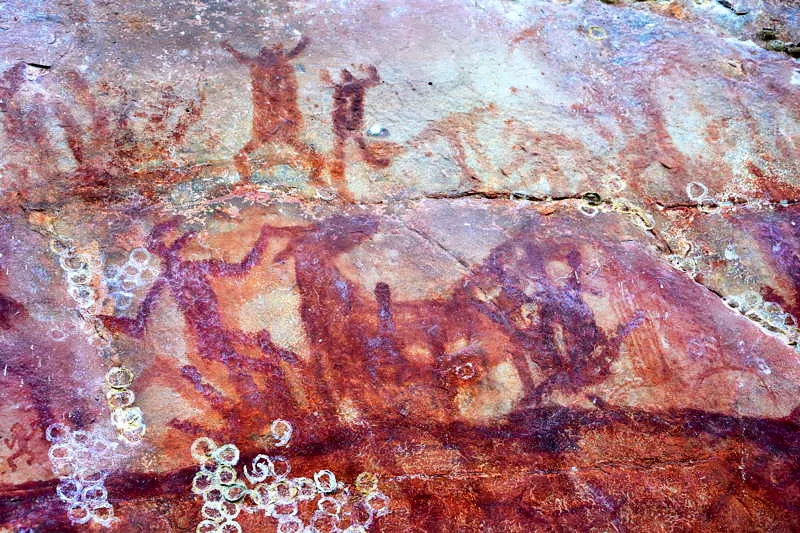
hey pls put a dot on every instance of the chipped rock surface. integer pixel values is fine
(399, 266)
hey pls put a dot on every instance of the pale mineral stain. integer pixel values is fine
(277, 310)
(395, 259)
(348, 413)
(496, 395)
(161, 403)
(419, 354)
(560, 272)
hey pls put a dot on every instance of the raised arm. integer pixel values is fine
(373, 78)
(135, 327)
(240, 57)
(154, 242)
(223, 268)
(298, 49)
(325, 77)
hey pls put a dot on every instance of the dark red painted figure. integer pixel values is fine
(20, 440)
(332, 307)
(355, 333)
(348, 116)
(24, 124)
(14, 122)
(358, 335)
(9, 310)
(190, 286)
(105, 150)
(276, 117)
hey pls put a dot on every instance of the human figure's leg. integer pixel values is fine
(311, 156)
(242, 159)
(338, 165)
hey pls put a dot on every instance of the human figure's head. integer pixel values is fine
(270, 55)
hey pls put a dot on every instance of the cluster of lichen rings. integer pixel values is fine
(128, 419)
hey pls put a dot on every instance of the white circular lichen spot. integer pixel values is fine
(377, 130)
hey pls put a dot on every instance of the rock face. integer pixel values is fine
(400, 266)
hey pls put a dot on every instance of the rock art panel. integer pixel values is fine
(399, 266)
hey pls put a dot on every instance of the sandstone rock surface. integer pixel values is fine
(531, 265)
